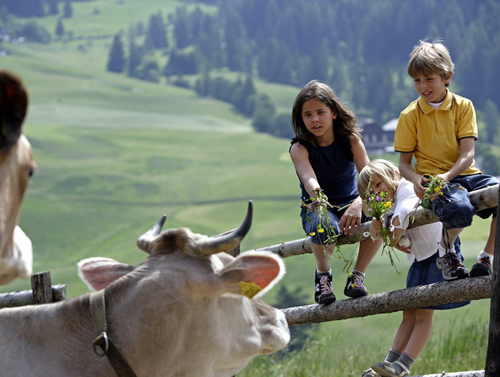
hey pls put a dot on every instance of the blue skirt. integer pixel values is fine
(426, 272)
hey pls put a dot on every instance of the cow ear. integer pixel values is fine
(253, 273)
(98, 273)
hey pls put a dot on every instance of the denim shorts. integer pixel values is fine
(310, 222)
(454, 208)
(426, 272)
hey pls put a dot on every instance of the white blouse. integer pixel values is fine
(423, 239)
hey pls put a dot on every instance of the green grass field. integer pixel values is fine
(114, 154)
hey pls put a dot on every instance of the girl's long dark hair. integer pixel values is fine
(345, 124)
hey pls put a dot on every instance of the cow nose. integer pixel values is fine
(284, 336)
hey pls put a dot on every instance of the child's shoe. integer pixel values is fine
(481, 268)
(323, 288)
(355, 286)
(386, 369)
(453, 268)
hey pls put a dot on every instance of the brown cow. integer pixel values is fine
(16, 166)
(185, 312)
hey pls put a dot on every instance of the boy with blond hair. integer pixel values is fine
(439, 130)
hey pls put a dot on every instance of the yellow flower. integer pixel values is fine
(437, 189)
(321, 230)
(388, 204)
(312, 234)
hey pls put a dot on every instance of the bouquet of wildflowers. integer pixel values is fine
(377, 205)
(319, 205)
(435, 185)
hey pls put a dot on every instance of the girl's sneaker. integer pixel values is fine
(355, 286)
(453, 268)
(323, 293)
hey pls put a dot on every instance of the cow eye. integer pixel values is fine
(31, 169)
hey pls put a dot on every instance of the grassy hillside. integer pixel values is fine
(114, 154)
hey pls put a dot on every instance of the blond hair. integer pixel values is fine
(428, 58)
(383, 169)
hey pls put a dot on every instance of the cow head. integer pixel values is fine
(16, 166)
(199, 303)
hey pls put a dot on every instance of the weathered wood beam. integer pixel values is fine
(41, 285)
(21, 298)
(475, 373)
(480, 199)
(390, 302)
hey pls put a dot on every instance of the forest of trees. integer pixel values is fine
(358, 47)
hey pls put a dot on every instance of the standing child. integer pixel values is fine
(439, 130)
(415, 328)
(326, 151)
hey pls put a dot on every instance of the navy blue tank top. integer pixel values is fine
(335, 170)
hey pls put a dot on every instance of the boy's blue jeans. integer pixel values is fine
(454, 208)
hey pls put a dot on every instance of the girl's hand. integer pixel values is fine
(351, 218)
(376, 225)
(375, 228)
(402, 244)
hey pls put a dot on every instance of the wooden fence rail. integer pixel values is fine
(42, 291)
(390, 302)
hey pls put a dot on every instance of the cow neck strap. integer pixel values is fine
(102, 341)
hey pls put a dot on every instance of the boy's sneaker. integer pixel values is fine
(481, 268)
(355, 286)
(323, 288)
(453, 268)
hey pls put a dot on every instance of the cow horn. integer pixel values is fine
(229, 241)
(144, 241)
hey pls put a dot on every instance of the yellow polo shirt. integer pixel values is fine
(433, 135)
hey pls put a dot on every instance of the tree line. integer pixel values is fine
(37, 8)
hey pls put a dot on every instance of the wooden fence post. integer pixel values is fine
(42, 288)
(492, 367)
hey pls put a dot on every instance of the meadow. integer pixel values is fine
(114, 154)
